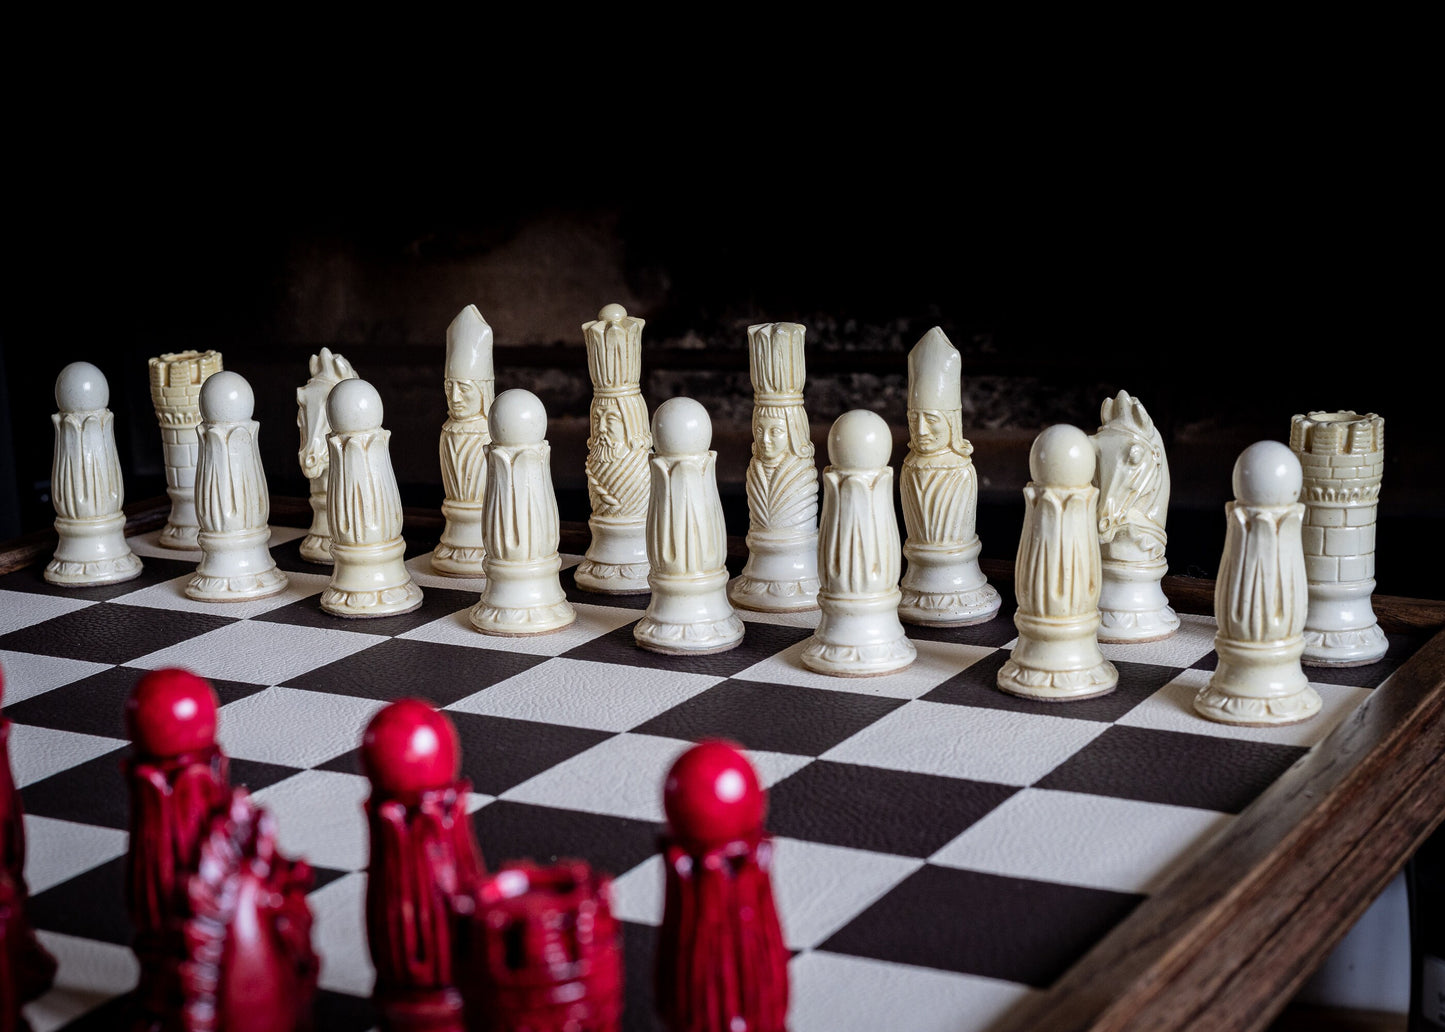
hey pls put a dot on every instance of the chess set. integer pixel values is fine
(980, 790)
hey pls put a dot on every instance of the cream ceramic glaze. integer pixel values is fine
(469, 384)
(176, 381)
(327, 370)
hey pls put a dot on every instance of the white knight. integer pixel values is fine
(86, 486)
(781, 573)
(469, 386)
(176, 381)
(859, 556)
(938, 486)
(1260, 598)
(232, 503)
(327, 370)
(617, 451)
(1133, 483)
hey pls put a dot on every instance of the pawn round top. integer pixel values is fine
(226, 397)
(712, 796)
(353, 405)
(1267, 473)
(860, 439)
(81, 387)
(681, 426)
(613, 313)
(1062, 456)
(171, 712)
(410, 747)
(518, 417)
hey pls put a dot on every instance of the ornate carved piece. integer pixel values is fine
(1260, 598)
(943, 586)
(176, 392)
(781, 574)
(85, 485)
(688, 613)
(1343, 459)
(859, 556)
(250, 964)
(1057, 576)
(540, 950)
(327, 370)
(1133, 483)
(469, 387)
(523, 594)
(363, 507)
(617, 451)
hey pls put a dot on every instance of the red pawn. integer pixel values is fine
(177, 776)
(423, 854)
(721, 962)
(27, 969)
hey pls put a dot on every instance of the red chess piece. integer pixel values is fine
(250, 965)
(178, 776)
(538, 951)
(27, 969)
(721, 962)
(423, 854)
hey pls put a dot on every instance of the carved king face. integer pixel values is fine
(770, 439)
(928, 431)
(464, 398)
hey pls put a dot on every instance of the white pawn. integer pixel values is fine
(1261, 597)
(85, 485)
(520, 527)
(689, 612)
(1057, 577)
(232, 503)
(859, 556)
(363, 508)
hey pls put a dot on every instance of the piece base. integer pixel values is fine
(1250, 712)
(1351, 648)
(673, 639)
(182, 539)
(768, 596)
(365, 605)
(1057, 686)
(1127, 627)
(69, 574)
(458, 562)
(858, 661)
(513, 622)
(247, 588)
(612, 578)
(962, 609)
(317, 549)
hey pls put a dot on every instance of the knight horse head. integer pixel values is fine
(1133, 481)
(327, 370)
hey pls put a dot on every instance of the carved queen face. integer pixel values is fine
(928, 431)
(609, 434)
(770, 439)
(464, 398)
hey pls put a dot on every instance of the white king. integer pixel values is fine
(85, 485)
(781, 573)
(327, 370)
(176, 381)
(944, 586)
(617, 478)
(470, 383)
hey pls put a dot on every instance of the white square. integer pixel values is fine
(582, 693)
(1192, 642)
(1171, 708)
(421, 572)
(1078, 839)
(292, 727)
(623, 777)
(38, 752)
(171, 594)
(28, 674)
(56, 851)
(592, 622)
(963, 742)
(90, 973)
(319, 817)
(834, 993)
(260, 652)
(937, 661)
(338, 935)
(23, 608)
(148, 545)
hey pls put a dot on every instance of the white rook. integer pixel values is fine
(176, 381)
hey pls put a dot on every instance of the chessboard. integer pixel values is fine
(949, 858)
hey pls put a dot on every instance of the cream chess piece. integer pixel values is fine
(1260, 598)
(1133, 483)
(943, 586)
(469, 385)
(617, 453)
(232, 503)
(327, 370)
(1057, 577)
(1343, 459)
(85, 485)
(688, 613)
(176, 393)
(369, 577)
(859, 556)
(781, 573)
(523, 594)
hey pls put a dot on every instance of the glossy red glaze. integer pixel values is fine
(171, 712)
(712, 796)
(409, 747)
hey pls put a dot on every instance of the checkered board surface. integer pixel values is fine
(944, 850)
